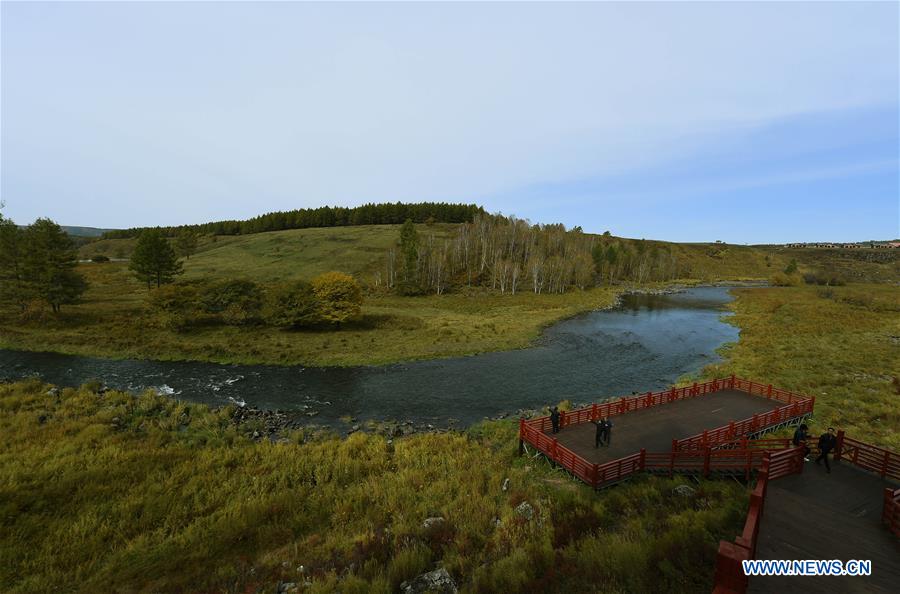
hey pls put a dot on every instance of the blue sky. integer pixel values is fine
(745, 122)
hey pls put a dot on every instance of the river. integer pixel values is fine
(644, 344)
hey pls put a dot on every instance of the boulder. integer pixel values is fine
(683, 490)
(429, 522)
(433, 582)
(525, 510)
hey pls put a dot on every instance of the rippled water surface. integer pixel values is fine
(643, 345)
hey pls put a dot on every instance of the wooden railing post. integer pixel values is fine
(731, 383)
(553, 449)
(694, 389)
(884, 464)
(521, 435)
(706, 462)
(769, 391)
(562, 419)
(594, 412)
(731, 430)
(643, 459)
(595, 471)
(839, 445)
(729, 569)
(674, 445)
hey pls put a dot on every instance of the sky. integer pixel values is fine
(741, 122)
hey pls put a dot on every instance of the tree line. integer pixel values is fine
(512, 255)
(326, 216)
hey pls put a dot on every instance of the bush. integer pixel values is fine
(292, 305)
(782, 279)
(236, 302)
(831, 279)
(99, 259)
(339, 297)
(178, 307)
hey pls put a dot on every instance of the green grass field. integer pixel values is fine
(116, 494)
(839, 344)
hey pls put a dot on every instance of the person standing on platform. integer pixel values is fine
(800, 437)
(598, 436)
(608, 432)
(826, 444)
(554, 419)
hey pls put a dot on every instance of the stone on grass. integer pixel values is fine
(525, 510)
(433, 582)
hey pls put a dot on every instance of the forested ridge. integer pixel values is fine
(325, 216)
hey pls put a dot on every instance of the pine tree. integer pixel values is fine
(186, 242)
(48, 265)
(12, 286)
(409, 251)
(154, 260)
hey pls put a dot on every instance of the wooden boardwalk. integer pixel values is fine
(654, 428)
(815, 515)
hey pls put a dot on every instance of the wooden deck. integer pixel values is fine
(815, 515)
(654, 428)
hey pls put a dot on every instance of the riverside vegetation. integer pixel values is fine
(108, 492)
(436, 289)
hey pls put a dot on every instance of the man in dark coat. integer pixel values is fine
(598, 436)
(826, 444)
(800, 437)
(607, 431)
(554, 419)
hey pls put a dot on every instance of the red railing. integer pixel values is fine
(730, 578)
(890, 514)
(868, 457)
(534, 432)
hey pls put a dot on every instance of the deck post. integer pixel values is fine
(562, 419)
(595, 479)
(706, 463)
(649, 399)
(674, 445)
(643, 459)
(553, 449)
(594, 412)
(839, 446)
(731, 383)
(731, 430)
(884, 464)
(769, 391)
(521, 435)
(694, 389)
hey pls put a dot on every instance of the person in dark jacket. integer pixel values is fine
(598, 436)
(554, 419)
(800, 437)
(826, 443)
(608, 432)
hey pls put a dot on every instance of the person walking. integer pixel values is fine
(554, 419)
(826, 443)
(800, 437)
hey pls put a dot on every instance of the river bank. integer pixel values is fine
(646, 343)
(114, 322)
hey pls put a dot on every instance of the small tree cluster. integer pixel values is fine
(331, 299)
(37, 266)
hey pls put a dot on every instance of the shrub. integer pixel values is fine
(781, 279)
(339, 297)
(178, 307)
(236, 302)
(292, 305)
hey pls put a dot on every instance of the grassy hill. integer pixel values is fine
(113, 319)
